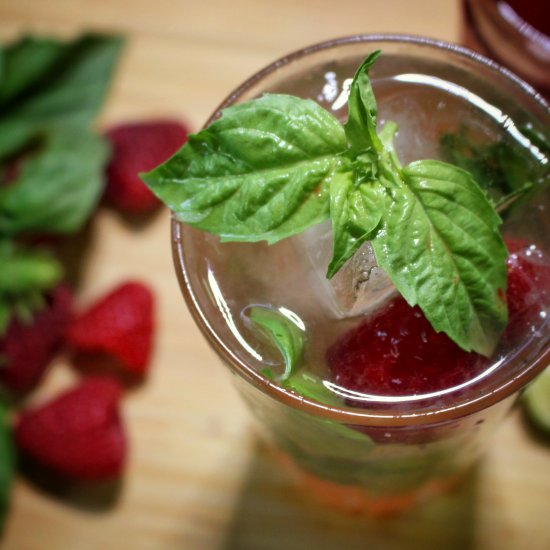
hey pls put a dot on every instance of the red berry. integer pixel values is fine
(119, 325)
(26, 349)
(139, 147)
(79, 434)
(528, 293)
(397, 352)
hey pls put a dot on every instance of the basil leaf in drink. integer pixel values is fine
(260, 172)
(503, 169)
(439, 242)
(7, 463)
(311, 386)
(35, 101)
(282, 332)
(355, 211)
(57, 187)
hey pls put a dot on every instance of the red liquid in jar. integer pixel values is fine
(513, 33)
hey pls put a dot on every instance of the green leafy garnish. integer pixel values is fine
(50, 91)
(257, 173)
(282, 332)
(311, 386)
(57, 188)
(25, 275)
(536, 400)
(273, 166)
(47, 85)
(503, 169)
(7, 463)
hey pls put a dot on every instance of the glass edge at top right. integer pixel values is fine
(531, 102)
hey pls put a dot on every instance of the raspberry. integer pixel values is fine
(119, 325)
(27, 348)
(139, 147)
(79, 434)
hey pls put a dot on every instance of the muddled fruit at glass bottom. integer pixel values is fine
(357, 500)
(383, 465)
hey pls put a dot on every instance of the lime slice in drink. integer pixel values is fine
(537, 401)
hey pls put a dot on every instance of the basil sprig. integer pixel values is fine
(274, 166)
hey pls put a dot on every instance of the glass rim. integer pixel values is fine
(364, 417)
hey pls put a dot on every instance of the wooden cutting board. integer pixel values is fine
(197, 477)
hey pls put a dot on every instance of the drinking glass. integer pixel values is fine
(391, 452)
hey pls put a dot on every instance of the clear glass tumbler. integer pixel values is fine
(391, 451)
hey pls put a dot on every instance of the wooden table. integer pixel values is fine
(197, 478)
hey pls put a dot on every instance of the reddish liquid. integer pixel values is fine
(514, 33)
(536, 13)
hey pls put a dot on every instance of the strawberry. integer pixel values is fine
(119, 325)
(79, 434)
(26, 349)
(139, 147)
(397, 352)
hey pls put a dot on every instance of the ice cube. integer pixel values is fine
(415, 114)
(358, 288)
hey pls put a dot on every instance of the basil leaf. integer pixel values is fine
(260, 172)
(26, 62)
(7, 463)
(58, 187)
(282, 332)
(439, 242)
(68, 94)
(362, 110)
(324, 439)
(312, 387)
(504, 169)
(355, 212)
(24, 277)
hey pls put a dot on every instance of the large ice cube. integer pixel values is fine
(359, 287)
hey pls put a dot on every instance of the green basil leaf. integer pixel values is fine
(439, 242)
(7, 463)
(321, 435)
(260, 172)
(58, 187)
(355, 212)
(361, 124)
(282, 332)
(25, 276)
(311, 386)
(68, 94)
(504, 169)
(26, 62)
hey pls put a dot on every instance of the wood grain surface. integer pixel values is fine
(197, 478)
